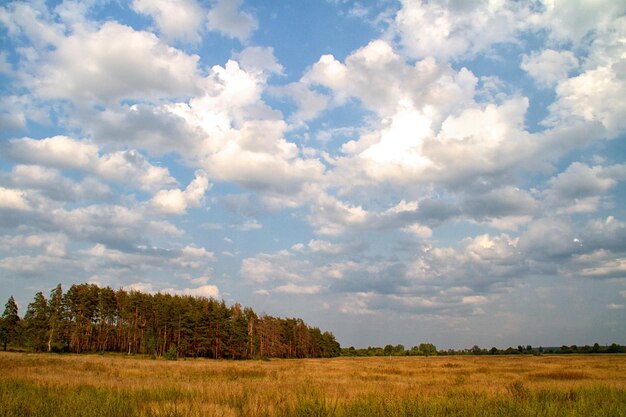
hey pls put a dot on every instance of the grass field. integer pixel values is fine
(103, 385)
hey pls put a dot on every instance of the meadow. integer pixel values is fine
(116, 385)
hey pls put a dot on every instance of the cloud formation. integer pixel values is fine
(459, 162)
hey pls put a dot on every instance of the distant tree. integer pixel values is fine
(615, 348)
(414, 351)
(399, 350)
(10, 322)
(595, 348)
(494, 350)
(427, 349)
(564, 350)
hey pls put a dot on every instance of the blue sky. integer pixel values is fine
(395, 172)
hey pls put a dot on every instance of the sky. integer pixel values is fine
(450, 172)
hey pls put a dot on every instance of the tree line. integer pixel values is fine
(428, 349)
(87, 318)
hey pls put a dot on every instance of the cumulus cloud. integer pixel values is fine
(51, 183)
(13, 199)
(259, 59)
(49, 244)
(63, 152)
(227, 18)
(113, 63)
(593, 96)
(177, 201)
(270, 268)
(176, 20)
(573, 20)
(380, 78)
(31, 20)
(579, 188)
(332, 217)
(295, 289)
(142, 257)
(455, 29)
(243, 139)
(207, 291)
(309, 103)
(150, 127)
(549, 66)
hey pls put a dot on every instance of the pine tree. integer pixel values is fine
(10, 322)
(37, 322)
(56, 316)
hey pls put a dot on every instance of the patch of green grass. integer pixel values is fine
(600, 402)
(24, 399)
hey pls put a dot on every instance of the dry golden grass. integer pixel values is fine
(341, 386)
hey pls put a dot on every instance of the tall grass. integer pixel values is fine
(113, 385)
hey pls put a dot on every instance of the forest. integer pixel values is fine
(87, 318)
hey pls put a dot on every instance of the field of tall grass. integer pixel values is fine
(112, 385)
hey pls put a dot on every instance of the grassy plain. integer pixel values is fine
(111, 385)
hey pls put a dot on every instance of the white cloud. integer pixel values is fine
(143, 258)
(113, 63)
(208, 291)
(243, 139)
(332, 217)
(270, 268)
(325, 247)
(419, 230)
(56, 151)
(51, 244)
(31, 20)
(13, 199)
(593, 96)
(397, 155)
(613, 306)
(124, 165)
(549, 66)
(380, 78)
(176, 20)
(259, 59)
(357, 304)
(579, 188)
(247, 226)
(177, 201)
(610, 268)
(227, 18)
(310, 103)
(448, 30)
(51, 183)
(573, 20)
(194, 257)
(297, 289)
(129, 167)
(151, 127)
